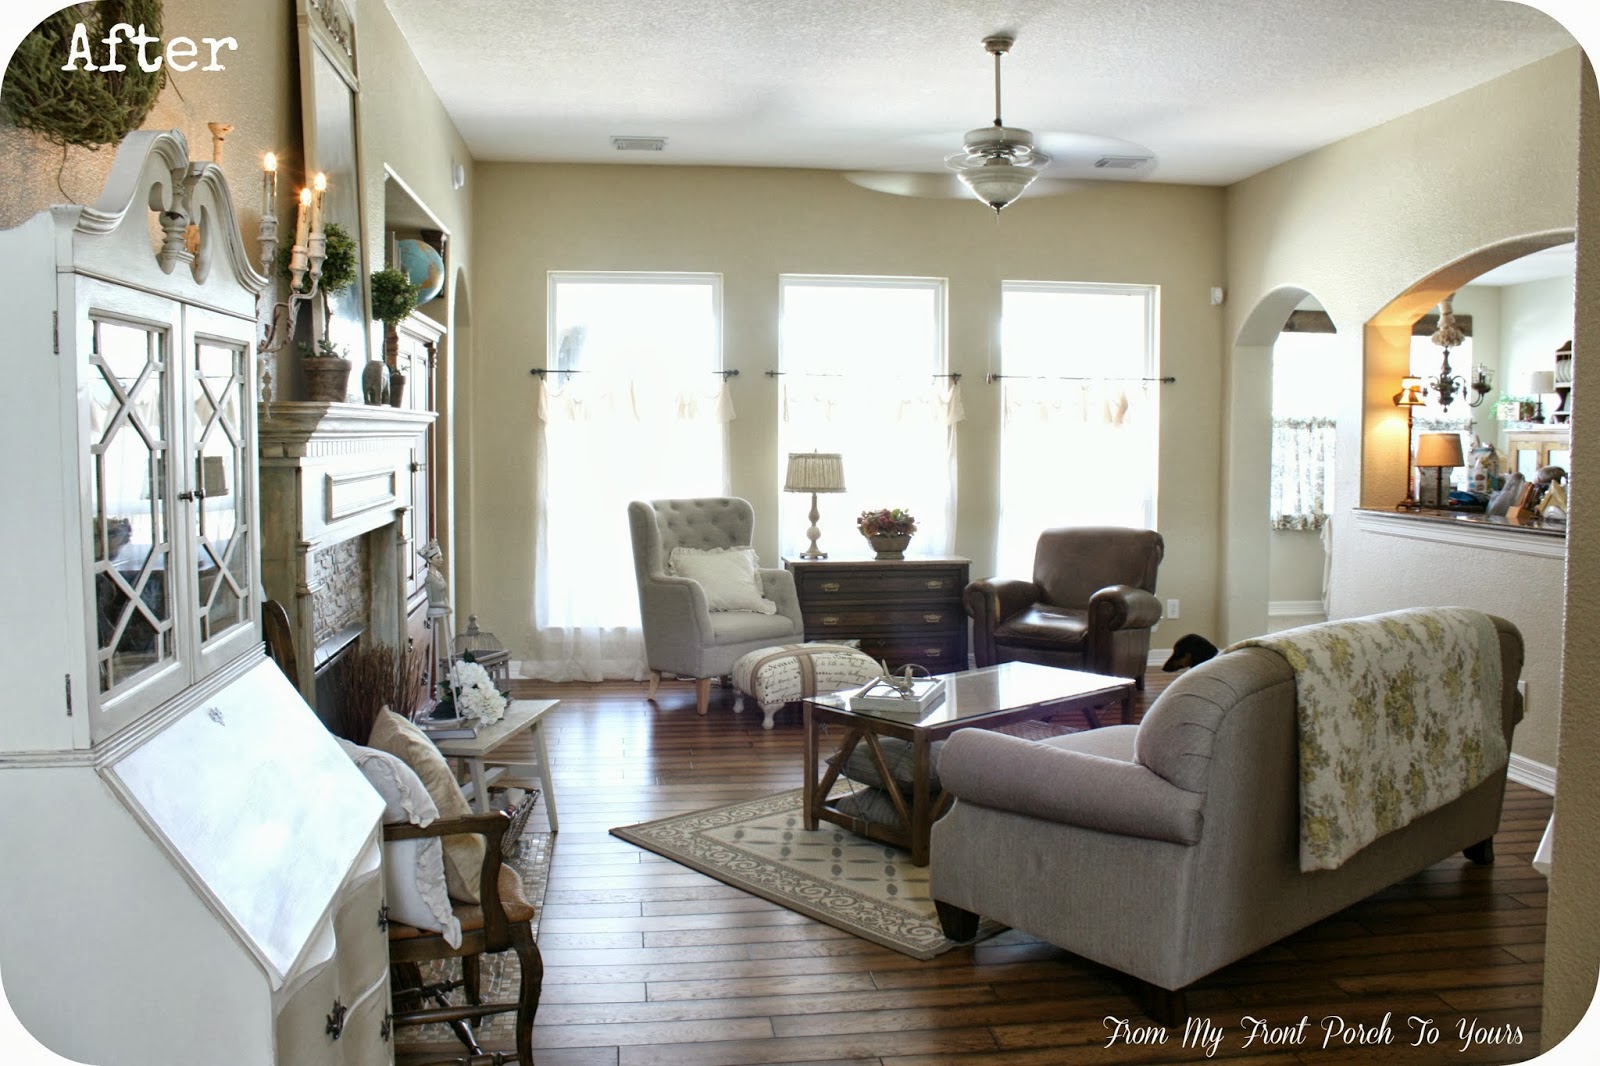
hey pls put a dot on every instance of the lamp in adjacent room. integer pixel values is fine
(814, 472)
(1410, 397)
(1442, 452)
(1541, 383)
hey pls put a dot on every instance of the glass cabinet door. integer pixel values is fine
(126, 344)
(219, 515)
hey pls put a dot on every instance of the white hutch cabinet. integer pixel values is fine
(189, 865)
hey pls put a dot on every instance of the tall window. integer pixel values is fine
(1303, 430)
(863, 363)
(640, 415)
(1081, 420)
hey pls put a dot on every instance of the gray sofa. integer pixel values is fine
(1169, 849)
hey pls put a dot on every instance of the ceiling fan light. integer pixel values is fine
(997, 184)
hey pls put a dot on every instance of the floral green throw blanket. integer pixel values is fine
(1399, 714)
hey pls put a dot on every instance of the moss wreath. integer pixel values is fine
(75, 107)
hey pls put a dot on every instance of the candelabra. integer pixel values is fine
(305, 263)
(1448, 385)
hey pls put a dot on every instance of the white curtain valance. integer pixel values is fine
(605, 398)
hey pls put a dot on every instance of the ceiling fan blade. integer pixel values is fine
(904, 183)
(944, 186)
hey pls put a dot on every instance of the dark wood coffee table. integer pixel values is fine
(991, 696)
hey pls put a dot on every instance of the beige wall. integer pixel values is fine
(1359, 223)
(1572, 937)
(750, 225)
(1296, 565)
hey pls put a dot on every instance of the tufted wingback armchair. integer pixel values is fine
(681, 636)
(1090, 606)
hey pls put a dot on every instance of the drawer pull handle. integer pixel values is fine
(830, 619)
(933, 584)
(336, 1020)
(931, 618)
(387, 1027)
(931, 652)
(383, 916)
(830, 586)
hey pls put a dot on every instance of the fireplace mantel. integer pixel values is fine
(330, 473)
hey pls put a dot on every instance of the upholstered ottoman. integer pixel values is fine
(787, 672)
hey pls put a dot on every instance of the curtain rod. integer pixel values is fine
(830, 374)
(540, 371)
(990, 379)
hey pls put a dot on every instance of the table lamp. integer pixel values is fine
(814, 472)
(1541, 383)
(1442, 451)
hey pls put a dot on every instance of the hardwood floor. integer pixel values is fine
(650, 964)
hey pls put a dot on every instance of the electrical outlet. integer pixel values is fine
(1172, 608)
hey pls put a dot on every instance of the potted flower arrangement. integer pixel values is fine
(889, 531)
(468, 692)
(393, 298)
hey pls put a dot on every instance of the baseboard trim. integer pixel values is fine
(1158, 657)
(1279, 608)
(1536, 775)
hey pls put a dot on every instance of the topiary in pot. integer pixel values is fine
(338, 263)
(393, 298)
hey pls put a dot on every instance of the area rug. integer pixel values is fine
(830, 874)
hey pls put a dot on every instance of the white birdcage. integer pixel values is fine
(487, 651)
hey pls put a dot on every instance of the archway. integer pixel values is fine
(1247, 466)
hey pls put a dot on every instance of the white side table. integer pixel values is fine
(479, 752)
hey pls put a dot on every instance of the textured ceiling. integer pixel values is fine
(1217, 90)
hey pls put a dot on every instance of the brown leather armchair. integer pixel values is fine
(1090, 606)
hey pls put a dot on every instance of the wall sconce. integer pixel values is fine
(1448, 384)
(1410, 397)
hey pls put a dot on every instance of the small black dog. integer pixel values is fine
(1191, 649)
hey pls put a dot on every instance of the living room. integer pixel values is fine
(1382, 223)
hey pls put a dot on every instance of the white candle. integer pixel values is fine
(320, 184)
(269, 184)
(302, 221)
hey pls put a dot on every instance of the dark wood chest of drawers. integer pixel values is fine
(903, 610)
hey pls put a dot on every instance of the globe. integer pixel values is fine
(424, 266)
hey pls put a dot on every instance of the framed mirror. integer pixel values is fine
(329, 86)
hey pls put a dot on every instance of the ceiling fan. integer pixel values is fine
(997, 163)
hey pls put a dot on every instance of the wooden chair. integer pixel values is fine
(280, 639)
(497, 924)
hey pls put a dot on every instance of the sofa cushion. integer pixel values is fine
(1177, 735)
(1044, 626)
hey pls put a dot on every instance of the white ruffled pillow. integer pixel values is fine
(413, 870)
(728, 576)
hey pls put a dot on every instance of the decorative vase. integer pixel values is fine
(327, 378)
(889, 545)
(397, 387)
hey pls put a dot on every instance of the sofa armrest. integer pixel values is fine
(1069, 787)
(778, 586)
(1123, 607)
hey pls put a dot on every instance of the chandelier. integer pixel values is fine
(1447, 385)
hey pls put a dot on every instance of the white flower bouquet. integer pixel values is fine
(470, 693)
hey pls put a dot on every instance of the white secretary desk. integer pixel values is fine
(189, 865)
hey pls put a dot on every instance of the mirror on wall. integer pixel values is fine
(329, 87)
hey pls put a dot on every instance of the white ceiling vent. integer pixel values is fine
(639, 144)
(1122, 162)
